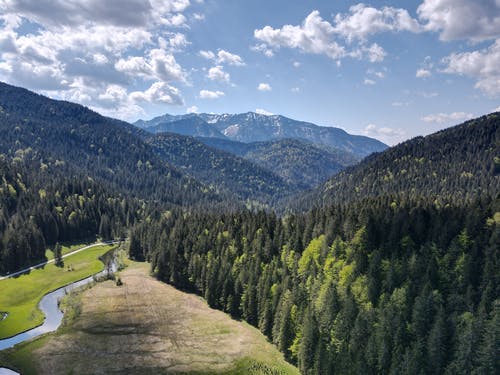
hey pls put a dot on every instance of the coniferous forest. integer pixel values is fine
(390, 267)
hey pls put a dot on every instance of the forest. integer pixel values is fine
(379, 286)
(390, 267)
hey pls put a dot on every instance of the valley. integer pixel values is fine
(146, 327)
(272, 256)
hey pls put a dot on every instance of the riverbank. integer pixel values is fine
(21, 295)
(145, 326)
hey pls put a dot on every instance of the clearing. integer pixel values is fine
(146, 327)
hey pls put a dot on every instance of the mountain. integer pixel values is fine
(254, 127)
(298, 162)
(106, 150)
(452, 165)
(221, 170)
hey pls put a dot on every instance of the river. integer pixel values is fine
(49, 305)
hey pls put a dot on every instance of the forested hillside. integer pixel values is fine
(41, 204)
(107, 150)
(397, 273)
(456, 164)
(223, 171)
(298, 162)
(68, 173)
(378, 287)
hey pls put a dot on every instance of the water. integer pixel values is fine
(6, 371)
(53, 315)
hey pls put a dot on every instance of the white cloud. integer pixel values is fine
(296, 64)
(209, 55)
(318, 36)
(386, 134)
(80, 50)
(198, 16)
(261, 111)
(207, 94)
(223, 57)
(192, 109)
(264, 87)
(423, 73)
(474, 20)
(159, 92)
(369, 82)
(217, 73)
(295, 90)
(315, 36)
(364, 21)
(263, 48)
(482, 65)
(440, 118)
(158, 65)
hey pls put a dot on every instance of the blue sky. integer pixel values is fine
(387, 69)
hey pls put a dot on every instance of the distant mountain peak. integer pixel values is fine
(256, 127)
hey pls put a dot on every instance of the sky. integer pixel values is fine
(390, 70)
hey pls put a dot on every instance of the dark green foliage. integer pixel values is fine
(366, 293)
(298, 162)
(450, 166)
(76, 140)
(220, 169)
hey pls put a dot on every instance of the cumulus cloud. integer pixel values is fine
(207, 94)
(318, 36)
(482, 65)
(369, 82)
(261, 111)
(159, 92)
(264, 87)
(80, 49)
(423, 73)
(217, 73)
(440, 118)
(157, 65)
(386, 134)
(314, 35)
(223, 57)
(364, 21)
(475, 20)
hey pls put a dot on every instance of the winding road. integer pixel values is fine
(53, 260)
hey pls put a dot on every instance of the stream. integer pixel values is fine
(49, 305)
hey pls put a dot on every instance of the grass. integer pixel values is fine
(67, 248)
(146, 327)
(20, 295)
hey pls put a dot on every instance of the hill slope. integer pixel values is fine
(224, 171)
(455, 164)
(101, 148)
(254, 127)
(298, 162)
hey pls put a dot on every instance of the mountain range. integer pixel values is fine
(254, 127)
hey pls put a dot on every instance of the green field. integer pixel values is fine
(20, 295)
(67, 248)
